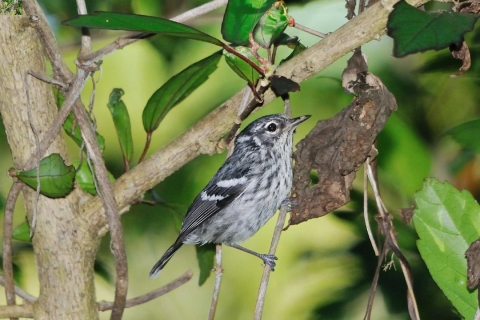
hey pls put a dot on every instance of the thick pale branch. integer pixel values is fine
(20, 311)
(204, 136)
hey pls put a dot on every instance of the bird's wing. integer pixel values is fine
(211, 200)
(229, 182)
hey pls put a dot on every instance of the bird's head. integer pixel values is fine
(268, 130)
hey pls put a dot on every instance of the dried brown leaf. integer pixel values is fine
(336, 148)
(462, 53)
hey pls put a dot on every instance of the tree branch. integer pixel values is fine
(204, 136)
(19, 292)
(20, 311)
(7, 242)
(184, 278)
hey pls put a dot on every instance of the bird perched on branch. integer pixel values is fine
(245, 192)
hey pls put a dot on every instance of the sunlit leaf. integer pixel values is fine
(176, 89)
(447, 221)
(467, 134)
(242, 68)
(414, 30)
(271, 25)
(22, 232)
(84, 177)
(56, 178)
(205, 257)
(121, 119)
(134, 22)
(241, 17)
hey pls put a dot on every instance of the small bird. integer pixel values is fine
(245, 192)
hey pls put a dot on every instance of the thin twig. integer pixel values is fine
(19, 292)
(262, 291)
(218, 269)
(7, 242)
(121, 43)
(393, 242)
(14, 312)
(37, 145)
(365, 208)
(46, 79)
(105, 190)
(308, 30)
(184, 278)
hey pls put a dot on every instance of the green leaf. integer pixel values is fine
(467, 134)
(84, 177)
(298, 48)
(447, 221)
(241, 17)
(414, 30)
(176, 89)
(73, 131)
(70, 126)
(22, 232)
(56, 178)
(242, 68)
(135, 22)
(271, 25)
(205, 257)
(121, 119)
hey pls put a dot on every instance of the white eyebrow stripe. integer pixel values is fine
(213, 197)
(231, 182)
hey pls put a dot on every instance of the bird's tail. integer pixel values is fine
(164, 259)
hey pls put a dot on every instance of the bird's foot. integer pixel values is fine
(269, 259)
(288, 204)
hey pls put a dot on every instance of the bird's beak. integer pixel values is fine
(295, 122)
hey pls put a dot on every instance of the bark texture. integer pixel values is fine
(63, 245)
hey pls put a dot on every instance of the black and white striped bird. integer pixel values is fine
(245, 192)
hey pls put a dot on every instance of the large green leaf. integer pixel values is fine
(271, 25)
(414, 30)
(134, 22)
(240, 66)
(205, 257)
(176, 89)
(447, 221)
(84, 177)
(467, 134)
(121, 119)
(241, 17)
(56, 178)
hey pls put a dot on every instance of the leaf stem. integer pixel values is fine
(241, 56)
(147, 145)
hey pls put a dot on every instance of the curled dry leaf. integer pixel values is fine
(473, 262)
(462, 53)
(356, 67)
(335, 149)
(407, 214)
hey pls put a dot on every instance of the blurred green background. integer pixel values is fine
(326, 265)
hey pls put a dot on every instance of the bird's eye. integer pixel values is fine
(272, 127)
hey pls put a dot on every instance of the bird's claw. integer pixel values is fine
(269, 259)
(289, 204)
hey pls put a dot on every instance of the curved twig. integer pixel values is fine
(27, 297)
(184, 278)
(7, 242)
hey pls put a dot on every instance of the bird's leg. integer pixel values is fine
(266, 258)
(289, 204)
